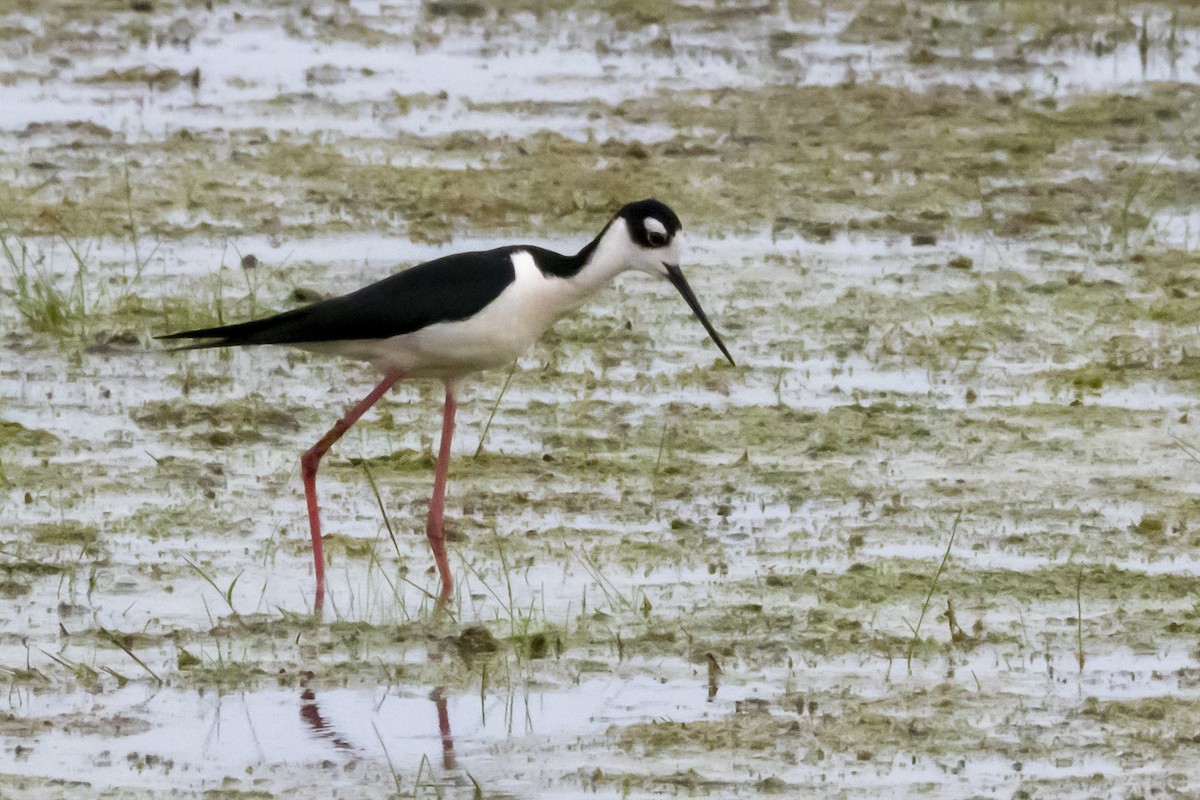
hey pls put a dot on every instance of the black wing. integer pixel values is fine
(443, 290)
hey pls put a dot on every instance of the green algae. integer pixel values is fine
(66, 534)
(250, 414)
(398, 461)
(347, 546)
(160, 79)
(895, 581)
(14, 434)
(36, 568)
(739, 732)
(10, 588)
(232, 793)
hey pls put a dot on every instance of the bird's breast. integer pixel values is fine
(494, 336)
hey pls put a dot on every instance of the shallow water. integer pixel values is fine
(561, 560)
(208, 735)
(693, 578)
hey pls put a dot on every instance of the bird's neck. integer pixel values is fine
(603, 258)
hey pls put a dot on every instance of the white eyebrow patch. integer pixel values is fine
(654, 226)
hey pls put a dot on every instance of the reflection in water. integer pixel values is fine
(714, 676)
(439, 698)
(310, 713)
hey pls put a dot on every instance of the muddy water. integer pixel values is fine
(934, 534)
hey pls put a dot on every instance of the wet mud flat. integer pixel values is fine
(935, 534)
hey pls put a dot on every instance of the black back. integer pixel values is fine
(446, 289)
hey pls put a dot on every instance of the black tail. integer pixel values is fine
(285, 328)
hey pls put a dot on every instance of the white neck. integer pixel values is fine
(614, 254)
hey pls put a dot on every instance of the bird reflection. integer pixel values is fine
(310, 713)
(321, 728)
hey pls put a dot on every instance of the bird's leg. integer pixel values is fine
(308, 470)
(435, 530)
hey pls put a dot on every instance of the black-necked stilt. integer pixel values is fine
(456, 315)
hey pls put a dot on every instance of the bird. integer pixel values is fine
(454, 316)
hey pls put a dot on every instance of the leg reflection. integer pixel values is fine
(439, 698)
(310, 713)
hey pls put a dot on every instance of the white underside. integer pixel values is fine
(494, 337)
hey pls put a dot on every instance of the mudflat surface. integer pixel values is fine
(936, 534)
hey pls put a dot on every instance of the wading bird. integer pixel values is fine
(453, 316)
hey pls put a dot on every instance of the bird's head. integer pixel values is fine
(652, 230)
(652, 246)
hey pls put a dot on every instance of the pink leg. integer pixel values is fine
(308, 470)
(435, 530)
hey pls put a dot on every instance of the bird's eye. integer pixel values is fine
(656, 239)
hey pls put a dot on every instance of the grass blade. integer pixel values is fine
(932, 587)
(112, 638)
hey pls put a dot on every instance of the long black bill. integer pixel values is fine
(680, 282)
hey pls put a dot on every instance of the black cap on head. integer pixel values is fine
(636, 214)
